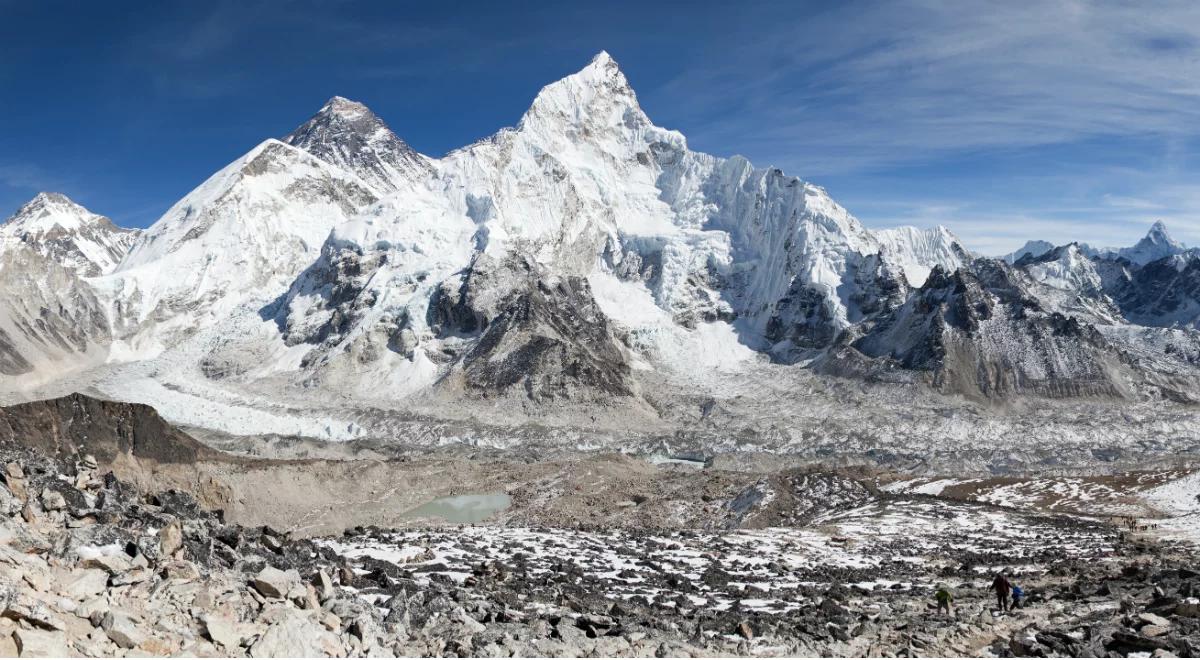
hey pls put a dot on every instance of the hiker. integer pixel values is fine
(1003, 588)
(944, 600)
(1018, 594)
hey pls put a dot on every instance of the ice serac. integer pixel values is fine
(917, 250)
(347, 135)
(56, 227)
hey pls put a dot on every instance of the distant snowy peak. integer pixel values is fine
(917, 251)
(56, 227)
(1068, 268)
(1157, 244)
(348, 135)
(1032, 249)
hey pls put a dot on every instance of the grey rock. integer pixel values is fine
(85, 583)
(296, 636)
(53, 500)
(274, 583)
(122, 629)
(33, 643)
(170, 538)
(113, 564)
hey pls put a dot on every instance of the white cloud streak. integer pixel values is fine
(875, 84)
(869, 88)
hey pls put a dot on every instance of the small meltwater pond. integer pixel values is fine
(462, 508)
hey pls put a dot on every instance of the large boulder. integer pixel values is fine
(297, 636)
(34, 643)
(274, 583)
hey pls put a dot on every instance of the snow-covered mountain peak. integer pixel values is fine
(1156, 245)
(242, 235)
(56, 227)
(1158, 238)
(1064, 267)
(1158, 233)
(1033, 248)
(597, 94)
(344, 107)
(348, 135)
(50, 209)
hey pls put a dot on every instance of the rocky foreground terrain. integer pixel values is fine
(91, 566)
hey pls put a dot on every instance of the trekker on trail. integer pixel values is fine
(1018, 594)
(945, 600)
(1003, 588)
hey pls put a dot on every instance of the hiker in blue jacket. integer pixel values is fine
(1018, 595)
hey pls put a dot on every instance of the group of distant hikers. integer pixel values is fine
(1135, 525)
(1009, 596)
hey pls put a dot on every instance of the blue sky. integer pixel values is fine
(1003, 121)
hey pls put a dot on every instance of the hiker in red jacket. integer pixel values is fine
(1003, 588)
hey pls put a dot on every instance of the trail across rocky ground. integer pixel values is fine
(91, 567)
(860, 583)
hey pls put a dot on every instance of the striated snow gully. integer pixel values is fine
(339, 284)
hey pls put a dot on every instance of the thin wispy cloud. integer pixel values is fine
(875, 84)
(874, 89)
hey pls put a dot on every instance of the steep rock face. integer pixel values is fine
(75, 425)
(51, 320)
(1164, 293)
(350, 137)
(550, 341)
(979, 331)
(57, 228)
(802, 319)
